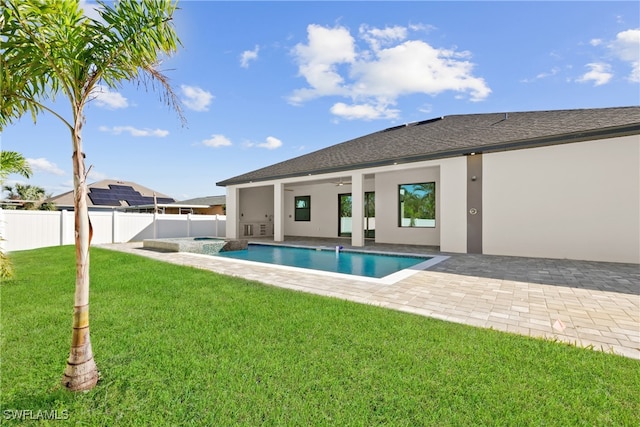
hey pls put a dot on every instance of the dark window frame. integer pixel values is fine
(424, 205)
(302, 213)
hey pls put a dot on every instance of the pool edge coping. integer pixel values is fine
(389, 279)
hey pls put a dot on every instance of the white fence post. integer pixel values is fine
(155, 225)
(114, 227)
(69, 232)
(189, 224)
(62, 229)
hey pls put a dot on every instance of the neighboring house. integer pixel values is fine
(209, 205)
(552, 184)
(110, 195)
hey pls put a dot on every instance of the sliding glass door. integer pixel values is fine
(370, 215)
(345, 217)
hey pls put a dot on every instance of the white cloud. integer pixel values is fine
(248, 55)
(117, 130)
(422, 28)
(595, 42)
(363, 111)
(217, 141)
(599, 74)
(626, 47)
(271, 143)
(43, 165)
(377, 37)
(554, 71)
(319, 59)
(195, 98)
(416, 67)
(394, 66)
(103, 97)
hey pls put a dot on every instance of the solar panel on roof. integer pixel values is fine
(113, 196)
(121, 187)
(101, 201)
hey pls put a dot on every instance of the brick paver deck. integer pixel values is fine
(587, 304)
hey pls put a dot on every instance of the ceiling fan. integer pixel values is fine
(341, 183)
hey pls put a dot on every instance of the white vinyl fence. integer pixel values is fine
(22, 230)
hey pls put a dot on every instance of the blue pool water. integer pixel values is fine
(357, 263)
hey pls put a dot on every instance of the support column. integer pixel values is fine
(233, 212)
(357, 209)
(278, 212)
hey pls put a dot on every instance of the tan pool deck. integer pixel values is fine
(588, 304)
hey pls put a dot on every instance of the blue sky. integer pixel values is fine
(263, 82)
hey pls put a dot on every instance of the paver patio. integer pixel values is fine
(584, 303)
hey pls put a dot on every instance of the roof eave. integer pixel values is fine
(619, 131)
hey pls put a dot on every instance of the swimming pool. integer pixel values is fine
(373, 265)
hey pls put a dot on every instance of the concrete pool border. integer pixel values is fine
(389, 279)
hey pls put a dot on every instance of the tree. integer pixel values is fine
(13, 162)
(10, 162)
(31, 196)
(50, 48)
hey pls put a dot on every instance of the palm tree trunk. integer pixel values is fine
(81, 372)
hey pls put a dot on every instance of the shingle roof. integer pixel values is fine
(450, 136)
(207, 200)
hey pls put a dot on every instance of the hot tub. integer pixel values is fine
(197, 245)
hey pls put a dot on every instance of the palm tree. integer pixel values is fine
(31, 196)
(10, 162)
(51, 48)
(13, 162)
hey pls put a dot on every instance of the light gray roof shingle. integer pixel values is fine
(207, 200)
(454, 135)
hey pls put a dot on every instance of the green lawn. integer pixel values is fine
(181, 346)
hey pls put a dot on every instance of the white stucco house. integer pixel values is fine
(551, 184)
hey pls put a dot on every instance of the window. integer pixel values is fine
(303, 208)
(417, 205)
